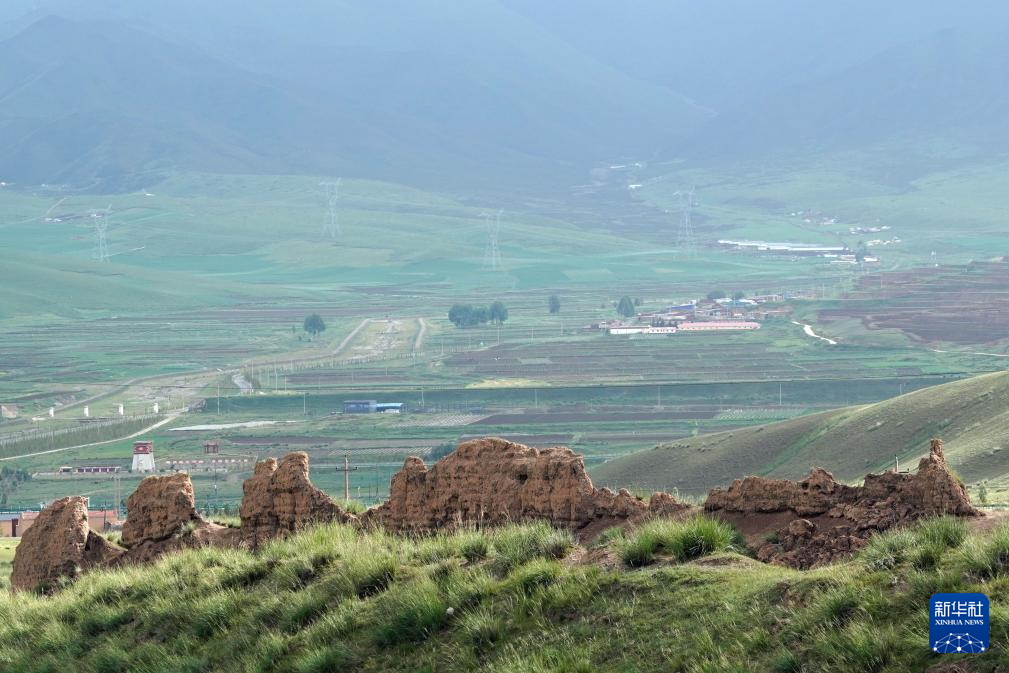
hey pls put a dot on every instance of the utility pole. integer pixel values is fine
(492, 253)
(218, 396)
(346, 469)
(685, 240)
(304, 403)
(101, 222)
(332, 226)
(346, 478)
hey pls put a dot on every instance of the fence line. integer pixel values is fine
(49, 438)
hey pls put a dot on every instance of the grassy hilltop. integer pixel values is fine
(670, 597)
(970, 415)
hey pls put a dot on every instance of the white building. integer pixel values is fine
(642, 329)
(143, 457)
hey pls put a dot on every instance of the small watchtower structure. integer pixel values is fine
(143, 456)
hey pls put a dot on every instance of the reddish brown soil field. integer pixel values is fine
(966, 305)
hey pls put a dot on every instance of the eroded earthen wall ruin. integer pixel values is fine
(492, 481)
(818, 520)
(485, 482)
(279, 498)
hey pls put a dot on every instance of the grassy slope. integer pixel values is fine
(970, 415)
(334, 599)
(7, 547)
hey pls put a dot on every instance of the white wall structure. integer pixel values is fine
(143, 457)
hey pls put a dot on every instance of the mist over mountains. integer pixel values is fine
(488, 94)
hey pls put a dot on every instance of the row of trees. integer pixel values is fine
(467, 315)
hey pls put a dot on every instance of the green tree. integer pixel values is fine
(460, 314)
(498, 312)
(717, 294)
(738, 294)
(982, 494)
(554, 302)
(465, 315)
(861, 251)
(314, 325)
(626, 307)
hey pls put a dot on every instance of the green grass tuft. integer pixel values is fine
(682, 540)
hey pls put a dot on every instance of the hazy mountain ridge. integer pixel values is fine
(944, 89)
(424, 110)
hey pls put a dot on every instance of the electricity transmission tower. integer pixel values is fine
(685, 240)
(492, 253)
(331, 227)
(101, 219)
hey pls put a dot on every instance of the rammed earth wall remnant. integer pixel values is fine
(818, 520)
(162, 518)
(59, 545)
(160, 508)
(492, 481)
(279, 498)
(485, 482)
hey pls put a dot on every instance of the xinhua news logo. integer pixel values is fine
(958, 623)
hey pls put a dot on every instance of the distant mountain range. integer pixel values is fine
(943, 94)
(109, 104)
(486, 94)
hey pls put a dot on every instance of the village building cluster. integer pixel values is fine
(701, 316)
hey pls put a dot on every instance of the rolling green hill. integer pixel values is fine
(520, 599)
(971, 416)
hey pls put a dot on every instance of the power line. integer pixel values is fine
(492, 253)
(101, 219)
(685, 240)
(331, 227)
